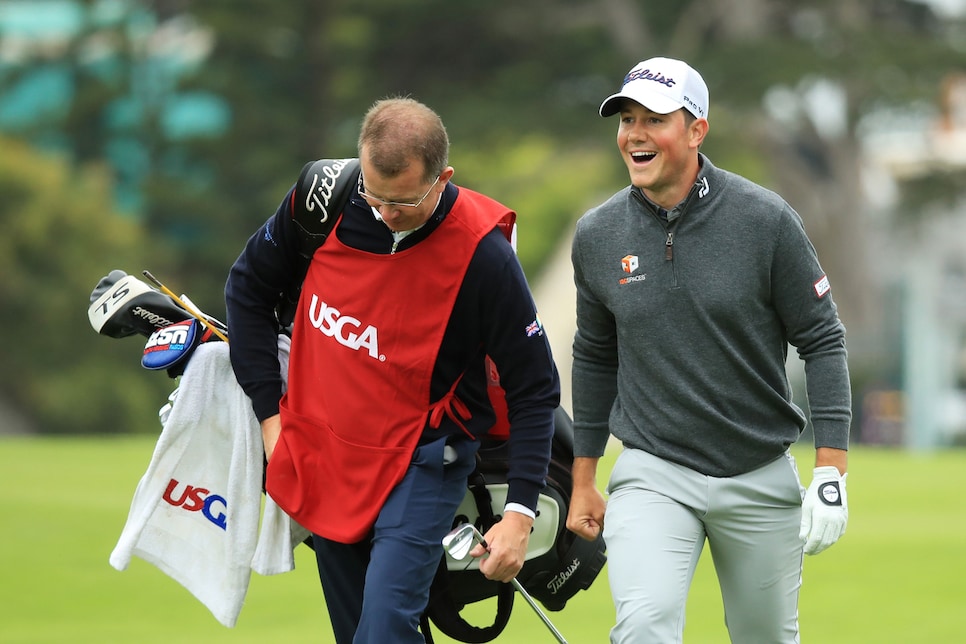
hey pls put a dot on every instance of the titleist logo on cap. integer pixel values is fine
(647, 74)
(662, 85)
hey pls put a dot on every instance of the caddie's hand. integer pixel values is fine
(825, 510)
(271, 428)
(507, 541)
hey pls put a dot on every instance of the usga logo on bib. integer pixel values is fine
(330, 321)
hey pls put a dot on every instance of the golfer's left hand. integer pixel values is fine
(825, 510)
(507, 541)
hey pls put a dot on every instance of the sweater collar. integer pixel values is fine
(700, 188)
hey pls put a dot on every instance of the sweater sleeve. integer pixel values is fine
(263, 272)
(594, 368)
(803, 298)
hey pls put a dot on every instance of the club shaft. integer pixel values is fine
(478, 537)
(195, 314)
(536, 609)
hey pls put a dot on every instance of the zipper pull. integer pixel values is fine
(669, 247)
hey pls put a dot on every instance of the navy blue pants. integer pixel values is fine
(377, 589)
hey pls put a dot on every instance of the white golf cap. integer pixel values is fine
(662, 85)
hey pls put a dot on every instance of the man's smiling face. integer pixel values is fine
(660, 151)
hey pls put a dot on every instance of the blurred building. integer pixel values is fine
(925, 264)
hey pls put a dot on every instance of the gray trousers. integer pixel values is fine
(658, 518)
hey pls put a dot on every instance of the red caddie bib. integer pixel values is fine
(366, 336)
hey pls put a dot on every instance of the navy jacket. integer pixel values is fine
(493, 315)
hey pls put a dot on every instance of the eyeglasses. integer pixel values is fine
(394, 204)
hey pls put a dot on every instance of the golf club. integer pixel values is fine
(195, 314)
(458, 543)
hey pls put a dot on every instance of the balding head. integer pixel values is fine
(398, 131)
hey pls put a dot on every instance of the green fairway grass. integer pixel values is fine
(896, 576)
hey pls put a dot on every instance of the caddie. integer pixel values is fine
(371, 445)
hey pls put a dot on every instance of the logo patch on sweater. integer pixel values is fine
(535, 328)
(632, 278)
(822, 286)
(629, 264)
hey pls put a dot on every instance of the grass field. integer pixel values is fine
(898, 575)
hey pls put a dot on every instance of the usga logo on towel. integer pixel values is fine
(194, 499)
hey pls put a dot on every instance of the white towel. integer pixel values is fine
(195, 511)
(279, 535)
(277, 541)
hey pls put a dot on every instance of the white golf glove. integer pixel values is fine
(825, 510)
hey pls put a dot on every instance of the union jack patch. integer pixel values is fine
(535, 328)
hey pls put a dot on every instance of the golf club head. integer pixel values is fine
(122, 305)
(460, 540)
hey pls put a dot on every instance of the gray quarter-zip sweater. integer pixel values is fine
(683, 327)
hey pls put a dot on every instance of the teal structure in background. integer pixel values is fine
(118, 55)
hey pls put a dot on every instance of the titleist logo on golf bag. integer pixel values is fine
(332, 323)
(559, 580)
(322, 187)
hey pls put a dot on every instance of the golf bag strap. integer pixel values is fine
(442, 609)
(445, 613)
(322, 191)
(320, 195)
(426, 629)
(484, 502)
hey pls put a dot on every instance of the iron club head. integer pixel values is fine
(458, 543)
(461, 539)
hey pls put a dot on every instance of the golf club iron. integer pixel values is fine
(458, 543)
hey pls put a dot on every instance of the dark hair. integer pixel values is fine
(396, 131)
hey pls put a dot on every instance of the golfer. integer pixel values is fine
(372, 444)
(692, 282)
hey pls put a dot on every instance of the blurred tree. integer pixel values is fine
(57, 227)
(272, 65)
(792, 85)
(207, 110)
(298, 77)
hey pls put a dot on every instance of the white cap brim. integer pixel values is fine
(653, 101)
